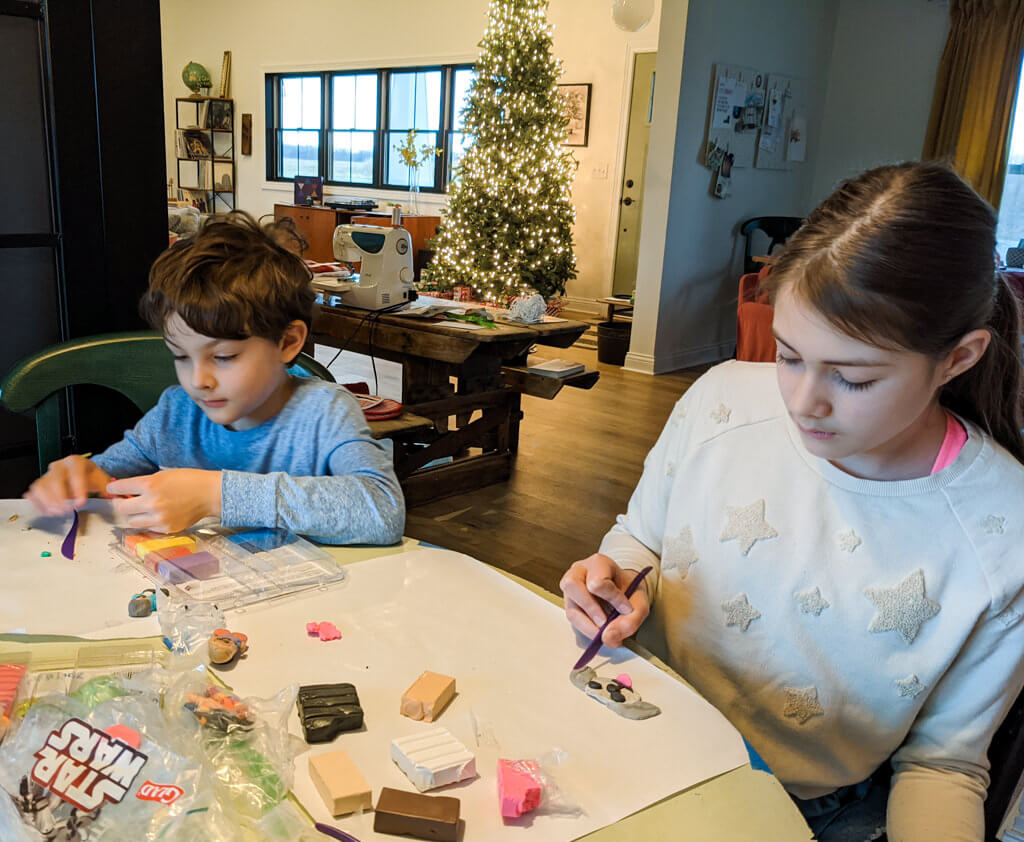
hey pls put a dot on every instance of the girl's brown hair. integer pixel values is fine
(234, 279)
(902, 257)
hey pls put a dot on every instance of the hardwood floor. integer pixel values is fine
(580, 456)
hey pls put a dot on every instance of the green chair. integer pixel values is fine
(138, 365)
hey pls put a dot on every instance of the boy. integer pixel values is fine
(239, 439)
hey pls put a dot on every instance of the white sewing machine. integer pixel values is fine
(386, 277)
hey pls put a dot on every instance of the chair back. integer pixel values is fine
(137, 365)
(777, 228)
(1006, 758)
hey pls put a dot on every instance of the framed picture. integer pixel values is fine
(309, 190)
(577, 109)
(197, 144)
(220, 116)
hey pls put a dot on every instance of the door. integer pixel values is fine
(641, 104)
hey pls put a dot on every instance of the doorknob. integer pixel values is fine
(627, 201)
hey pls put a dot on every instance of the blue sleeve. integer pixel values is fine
(137, 453)
(358, 502)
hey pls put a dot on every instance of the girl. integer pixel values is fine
(840, 543)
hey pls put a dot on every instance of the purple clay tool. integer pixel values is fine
(595, 644)
(67, 549)
(333, 832)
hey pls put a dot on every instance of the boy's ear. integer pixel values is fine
(292, 340)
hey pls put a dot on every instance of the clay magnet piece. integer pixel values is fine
(226, 647)
(611, 693)
(419, 816)
(325, 710)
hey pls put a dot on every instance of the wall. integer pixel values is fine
(882, 76)
(693, 319)
(266, 36)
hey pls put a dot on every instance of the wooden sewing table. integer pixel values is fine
(467, 383)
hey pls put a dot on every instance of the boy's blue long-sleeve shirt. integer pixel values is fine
(313, 468)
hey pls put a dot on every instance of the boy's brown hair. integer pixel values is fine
(234, 279)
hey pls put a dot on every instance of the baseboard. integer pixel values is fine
(690, 357)
(641, 363)
(584, 305)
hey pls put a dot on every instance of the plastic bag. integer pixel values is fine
(186, 626)
(531, 786)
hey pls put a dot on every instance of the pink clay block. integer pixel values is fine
(313, 629)
(624, 679)
(518, 789)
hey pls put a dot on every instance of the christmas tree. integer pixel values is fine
(508, 225)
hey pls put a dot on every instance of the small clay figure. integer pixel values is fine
(142, 604)
(614, 693)
(226, 647)
(220, 710)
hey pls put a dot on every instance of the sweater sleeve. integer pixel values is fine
(137, 453)
(360, 502)
(941, 770)
(634, 542)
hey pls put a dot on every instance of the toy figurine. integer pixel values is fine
(220, 710)
(226, 647)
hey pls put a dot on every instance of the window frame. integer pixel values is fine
(442, 163)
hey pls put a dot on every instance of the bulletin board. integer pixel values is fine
(783, 138)
(737, 101)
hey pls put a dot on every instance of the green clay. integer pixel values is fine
(98, 690)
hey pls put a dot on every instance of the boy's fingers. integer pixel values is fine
(78, 484)
(128, 486)
(126, 507)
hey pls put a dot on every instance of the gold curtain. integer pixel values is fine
(975, 92)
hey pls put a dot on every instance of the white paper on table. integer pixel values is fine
(510, 652)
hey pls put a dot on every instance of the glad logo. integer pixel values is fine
(164, 793)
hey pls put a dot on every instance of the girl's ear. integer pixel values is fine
(292, 340)
(968, 351)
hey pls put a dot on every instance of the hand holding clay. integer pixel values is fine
(168, 501)
(598, 579)
(66, 485)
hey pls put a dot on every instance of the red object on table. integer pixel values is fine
(387, 408)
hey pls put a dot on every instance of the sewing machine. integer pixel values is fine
(386, 276)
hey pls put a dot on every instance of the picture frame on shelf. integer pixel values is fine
(577, 109)
(309, 190)
(220, 116)
(197, 144)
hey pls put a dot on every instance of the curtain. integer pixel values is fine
(975, 92)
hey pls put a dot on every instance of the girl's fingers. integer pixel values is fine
(601, 585)
(579, 620)
(575, 589)
(620, 628)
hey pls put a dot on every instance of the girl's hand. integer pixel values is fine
(66, 486)
(167, 501)
(593, 580)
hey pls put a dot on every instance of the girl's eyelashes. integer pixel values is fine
(849, 384)
(781, 360)
(225, 358)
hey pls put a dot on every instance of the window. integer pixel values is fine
(1010, 230)
(347, 126)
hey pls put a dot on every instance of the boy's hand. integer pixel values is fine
(167, 501)
(66, 486)
(599, 578)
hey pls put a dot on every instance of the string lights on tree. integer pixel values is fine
(508, 224)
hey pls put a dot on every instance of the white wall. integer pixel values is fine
(266, 36)
(882, 76)
(695, 313)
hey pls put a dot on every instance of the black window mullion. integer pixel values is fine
(384, 122)
(326, 92)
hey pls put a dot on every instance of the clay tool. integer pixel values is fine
(67, 549)
(595, 644)
(334, 833)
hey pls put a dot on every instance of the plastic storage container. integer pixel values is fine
(229, 567)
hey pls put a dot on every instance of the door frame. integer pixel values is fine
(620, 156)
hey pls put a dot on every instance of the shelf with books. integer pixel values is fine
(205, 151)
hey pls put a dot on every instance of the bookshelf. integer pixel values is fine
(204, 141)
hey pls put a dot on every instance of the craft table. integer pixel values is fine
(488, 370)
(742, 804)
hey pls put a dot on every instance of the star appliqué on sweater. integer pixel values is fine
(909, 686)
(747, 524)
(811, 602)
(670, 469)
(802, 704)
(903, 607)
(720, 414)
(739, 612)
(993, 524)
(849, 540)
(679, 553)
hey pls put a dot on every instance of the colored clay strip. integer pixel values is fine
(67, 549)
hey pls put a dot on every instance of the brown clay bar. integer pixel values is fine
(413, 814)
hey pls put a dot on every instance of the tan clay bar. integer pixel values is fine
(428, 696)
(421, 816)
(340, 784)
